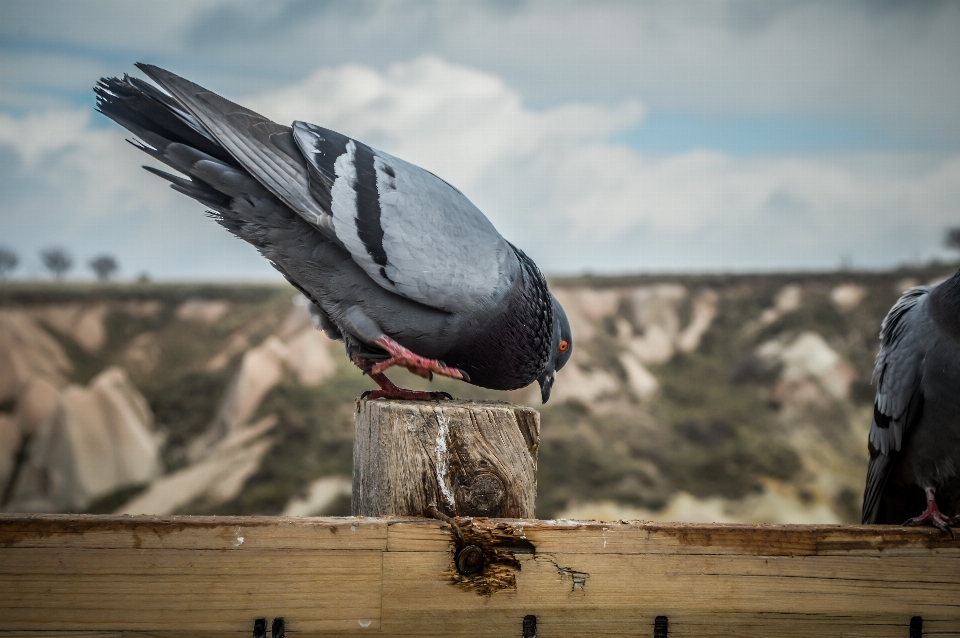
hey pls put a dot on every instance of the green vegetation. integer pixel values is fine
(715, 427)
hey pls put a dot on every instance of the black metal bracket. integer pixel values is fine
(277, 630)
(660, 627)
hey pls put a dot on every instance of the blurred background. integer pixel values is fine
(728, 196)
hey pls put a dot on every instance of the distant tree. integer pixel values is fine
(8, 261)
(952, 238)
(57, 261)
(103, 266)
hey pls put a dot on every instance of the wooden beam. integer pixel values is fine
(83, 576)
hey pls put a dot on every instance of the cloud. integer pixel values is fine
(891, 63)
(69, 183)
(29, 79)
(83, 27)
(554, 181)
(883, 61)
(38, 135)
(453, 120)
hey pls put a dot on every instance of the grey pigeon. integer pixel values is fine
(914, 471)
(395, 261)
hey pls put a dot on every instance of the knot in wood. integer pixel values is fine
(469, 560)
(484, 494)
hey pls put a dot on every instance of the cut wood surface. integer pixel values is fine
(214, 576)
(467, 458)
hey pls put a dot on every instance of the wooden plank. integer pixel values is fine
(203, 590)
(141, 577)
(195, 532)
(758, 540)
(607, 594)
(591, 537)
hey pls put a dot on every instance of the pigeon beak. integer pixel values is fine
(546, 384)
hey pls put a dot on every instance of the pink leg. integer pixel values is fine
(422, 366)
(933, 516)
(389, 390)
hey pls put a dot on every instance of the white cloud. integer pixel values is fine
(886, 62)
(68, 183)
(554, 181)
(456, 121)
(38, 134)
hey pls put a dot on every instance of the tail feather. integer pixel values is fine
(144, 110)
(264, 148)
(877, 474)
(237, 200)
(195, 189)
(207, 172)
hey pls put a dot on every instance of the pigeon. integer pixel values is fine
(395, 262)
(915, 434)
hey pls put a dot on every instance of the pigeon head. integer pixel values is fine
(560, 351)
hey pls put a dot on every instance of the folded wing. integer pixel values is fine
(899, 401)
(409, 230)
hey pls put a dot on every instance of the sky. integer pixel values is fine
(600, 137)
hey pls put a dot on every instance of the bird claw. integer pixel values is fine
(389, 390)
(934, 518)
(407, 395)
(416, 364)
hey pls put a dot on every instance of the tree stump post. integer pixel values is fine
(468, 458)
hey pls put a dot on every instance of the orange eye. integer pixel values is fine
(564, 345)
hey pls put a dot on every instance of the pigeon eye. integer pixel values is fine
(564, 345)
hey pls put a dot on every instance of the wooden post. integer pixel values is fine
(470, 459)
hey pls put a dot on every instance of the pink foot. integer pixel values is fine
(389, 390)
(933, 516)
(422, 366)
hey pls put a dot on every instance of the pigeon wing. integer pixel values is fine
(411, 231)
(899, 401)
(263, 147)
(903, 337)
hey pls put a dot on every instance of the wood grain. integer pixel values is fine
(470, 459)
(139, 577)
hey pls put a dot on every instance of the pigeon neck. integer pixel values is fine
(513, 347)
(945, 306)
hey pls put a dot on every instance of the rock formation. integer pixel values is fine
(82, 323)
(26, 352)
(97, 439)
(215, 479)
(729, 398)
